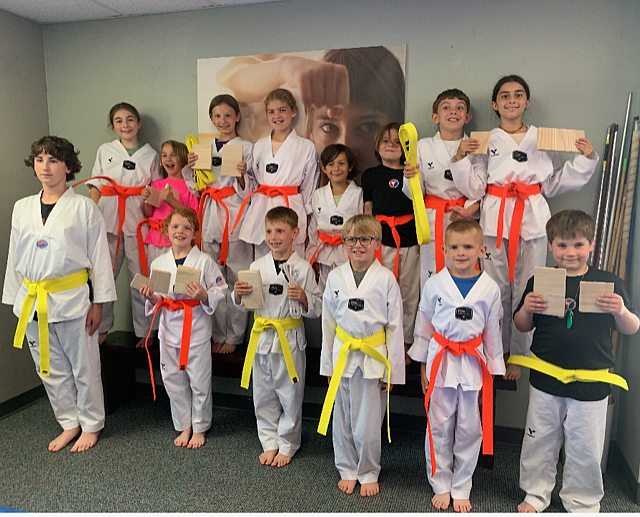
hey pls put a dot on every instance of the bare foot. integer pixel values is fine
(441, 501)
(140, 344)
(197, 441)
(514, 371)
(102, 337)
(227, 348)
(215, 348)
(183, 438)
(407, 359)
(461, 505)
(85, 442)
(266, 458)
(525, 507)
(63, 440)
(281, 460)
(347, 485)
(369, 489)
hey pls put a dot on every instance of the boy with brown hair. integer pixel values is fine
(574, 412)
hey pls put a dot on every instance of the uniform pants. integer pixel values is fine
(581, 426)
(357, 422)
(457, 436)
(189, 391)
(324, 271)
(74, 383)
(128, 248)
(408, 275)
(229, 322)
(278, 402)
(530, 254)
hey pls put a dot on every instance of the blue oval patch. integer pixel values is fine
(394, 183)
(42, 244)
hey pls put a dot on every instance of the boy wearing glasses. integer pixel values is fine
(362, 313)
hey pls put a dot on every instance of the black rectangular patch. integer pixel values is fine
(448, 175)
(520, 156)
(336, 220)
(271, 168)
(216, 161)
(128, 165)
(276, 289)
(356, 304)
(464, 313)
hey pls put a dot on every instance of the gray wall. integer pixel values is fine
(23, 119)
(579, 57)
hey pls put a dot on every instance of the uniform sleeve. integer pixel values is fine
(187, 175)
(97, 171)
(492, 337)
(215, 285)
(470, 176)
(314, 296)
(312, 231)
(423, 328)
(310, 178)
(360, 203)
(394, 334)
(573, 175)
(12, 279)
(250, 183)
(104, 288)
(329, 326)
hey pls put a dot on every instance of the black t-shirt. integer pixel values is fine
(45, 211)
(383, 186)
(586, 345)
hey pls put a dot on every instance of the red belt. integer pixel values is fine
(142, 254)
(217, 195)
(457, 349)
(393, 222)
(441, 206)
(175, 305)
(270, 191)
(325, 238)
(521, 191)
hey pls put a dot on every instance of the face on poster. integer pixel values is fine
(343, 95)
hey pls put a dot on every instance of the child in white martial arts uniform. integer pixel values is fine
(443, 200)
(514, 174)
(570, 413)
(185, 354)
(173, 158)
(458, 341)
(277, 340)
(383, 198)
(332, 205)
(58, 244)
(132, 166)
(362, 308)
(220, 203)
(286, 167)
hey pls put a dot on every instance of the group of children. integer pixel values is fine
(347, 253)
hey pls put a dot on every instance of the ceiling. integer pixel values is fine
(60, 11)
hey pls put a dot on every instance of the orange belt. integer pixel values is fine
(175, 305)
(521, 191)
(457, 349)
(270, 191)
(123, 193)
(325, 238)
(393, 222)
(441, 206)
(142, 254)
(217, 195)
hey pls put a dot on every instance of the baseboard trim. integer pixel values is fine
(21, 401)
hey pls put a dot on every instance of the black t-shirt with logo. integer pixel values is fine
(383, 186)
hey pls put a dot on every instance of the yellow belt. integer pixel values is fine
(259, 326)
(41, 289)
(202, 177)
(409, 139)
(366, 346)
(566, 376)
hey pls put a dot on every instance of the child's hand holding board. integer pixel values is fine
(255, 300)
(589, 292)
(551, 284)
(231, 157)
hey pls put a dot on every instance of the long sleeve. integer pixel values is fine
(424, 329)
(310, 180)
(492, 338)
(12, 279)
(571, 176)
(470, 176)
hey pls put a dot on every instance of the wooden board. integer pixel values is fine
(256, 299)
(550, 282)
(484, 137)
(589, 292)
(552, 139)
(231, 157)
(185, 274)
(154, 198)
(160, 281)
(204, 156)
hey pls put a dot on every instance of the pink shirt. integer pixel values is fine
(185, 197)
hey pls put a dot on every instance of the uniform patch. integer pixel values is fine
(128, 165)
(111, 159)
(464, 313)
(429, 166)
(42, 244)
(220, 281)
(271, 168)
(394, 183)
(336, 220)
(448, 175)
(356, 304)
(519, 156)
(494, 152)
(337, 291)
(216, 161)
(276, 289)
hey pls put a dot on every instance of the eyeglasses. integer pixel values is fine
(365, 241)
